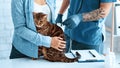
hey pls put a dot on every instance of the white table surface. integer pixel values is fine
(29, 63)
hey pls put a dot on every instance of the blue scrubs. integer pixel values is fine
(87, 35)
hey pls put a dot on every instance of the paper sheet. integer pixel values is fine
(87, 57)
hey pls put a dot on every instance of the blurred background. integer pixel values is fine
(7, 29)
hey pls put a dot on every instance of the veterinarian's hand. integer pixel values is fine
(73, 21)
(58, 43)
(59, 18)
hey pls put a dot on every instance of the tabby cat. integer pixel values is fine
(46, 28)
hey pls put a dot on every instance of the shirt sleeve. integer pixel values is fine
(21, 29)
(107, 1)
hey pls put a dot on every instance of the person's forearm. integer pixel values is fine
(97, 14)
(94, 15)
(33, 37)
(64, 6)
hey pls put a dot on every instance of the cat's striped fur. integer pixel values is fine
(46, 28)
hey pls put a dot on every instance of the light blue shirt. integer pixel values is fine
(90, 32)
(25, 38)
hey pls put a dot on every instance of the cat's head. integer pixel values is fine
(40, 19)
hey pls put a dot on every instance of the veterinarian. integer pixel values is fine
(26, 39)
(85, 23)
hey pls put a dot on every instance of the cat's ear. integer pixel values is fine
(45, 15)
(34, 14)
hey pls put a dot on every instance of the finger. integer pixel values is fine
(62, 49)
(63, 42)
(59, 49)
(62, 46)
(60, 38)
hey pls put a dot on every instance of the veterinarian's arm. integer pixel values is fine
(20, 28)
(64, 6)
(102, 12)
(97, 14)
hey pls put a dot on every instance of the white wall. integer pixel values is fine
(6, 26)
(108, 23)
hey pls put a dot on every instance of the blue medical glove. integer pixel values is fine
(73, 21)
(59, 18)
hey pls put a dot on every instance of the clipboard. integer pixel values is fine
(86, 56)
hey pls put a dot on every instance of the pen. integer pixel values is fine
(91, 60)
(92, 54)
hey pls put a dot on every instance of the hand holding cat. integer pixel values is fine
(58, 43)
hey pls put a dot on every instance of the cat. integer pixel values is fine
(46, 28)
